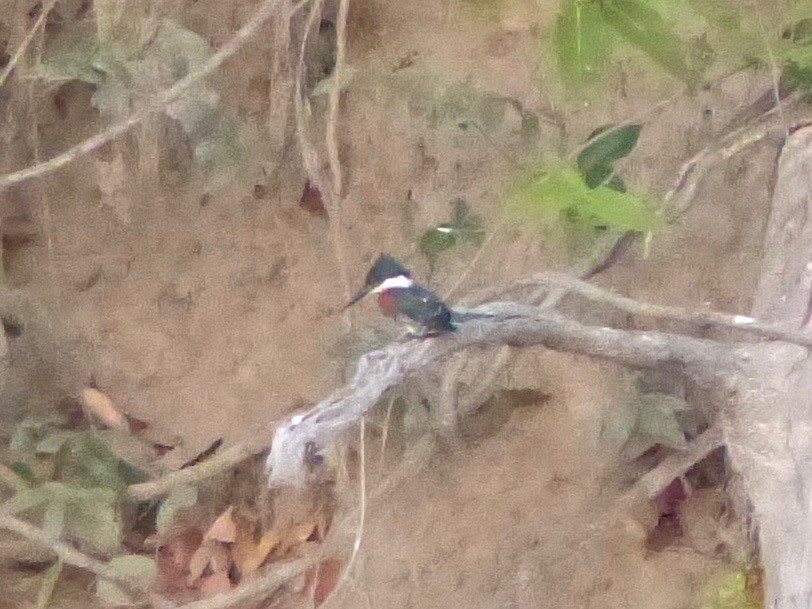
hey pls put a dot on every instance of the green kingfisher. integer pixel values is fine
(399, 295)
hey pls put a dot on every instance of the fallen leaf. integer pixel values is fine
(214, 584)
(174, 556)
(98, 406)
(328, 578)
(224, 529)
(249, 554)
(210, 556)
(184, 497)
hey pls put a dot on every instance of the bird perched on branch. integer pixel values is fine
(399, 296)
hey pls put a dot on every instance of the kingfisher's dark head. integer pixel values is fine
(386, 273)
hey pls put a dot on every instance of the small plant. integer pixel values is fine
(588, 193)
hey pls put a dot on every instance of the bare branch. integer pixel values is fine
(700, 359)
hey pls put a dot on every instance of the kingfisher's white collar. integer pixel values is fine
(401, 281)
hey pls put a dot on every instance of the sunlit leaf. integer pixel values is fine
(546, 194)
(139, 571)
(46, 589)
(645, 29)
(718, 14)
(582, 42)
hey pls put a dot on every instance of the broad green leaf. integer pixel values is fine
(608, 145)
(625, 211)
(645, 29)
(53, 443)
(546, 195)
(436, 240)
(53, 523)
(582, 42)
(89, 462)
(92, 516)
(49, 579)
(657, 419)
(28, 500)
(141, 571)
(718, 14)
(24, 471)
(181, 498)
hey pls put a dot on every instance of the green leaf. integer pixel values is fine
(545, 195)
(89, 462)
(53, 443)
(182, 498)
(46, 589)
(718, 14)
(53, 523)
(24, 471)
(92, 516)
(582, 42)
(657, 419)
(436, 240)
(141, 571)
(28, 499)
(646, 30)
(608, 145)
(624, 211)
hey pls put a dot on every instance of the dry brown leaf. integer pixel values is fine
(174, 555)
(249, 554)
(214, 584)
(99, 407)
(212, 556)
(224, 529)
(328, 578)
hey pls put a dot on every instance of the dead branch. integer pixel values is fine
(378, 370)
(671, 467)
(158, 104)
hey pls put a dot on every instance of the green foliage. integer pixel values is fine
(560, 192)
(729, 590)
(583, 44)
(646, 419)
(464, 227)
(642, 26)
(607, 145)
(139, 571)
(586, 34)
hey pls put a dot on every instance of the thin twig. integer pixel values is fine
(219, 463)
(43, 17)
(678, 199)
(700, 319)
(385, 433)
(158, 103)
(673, 466)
